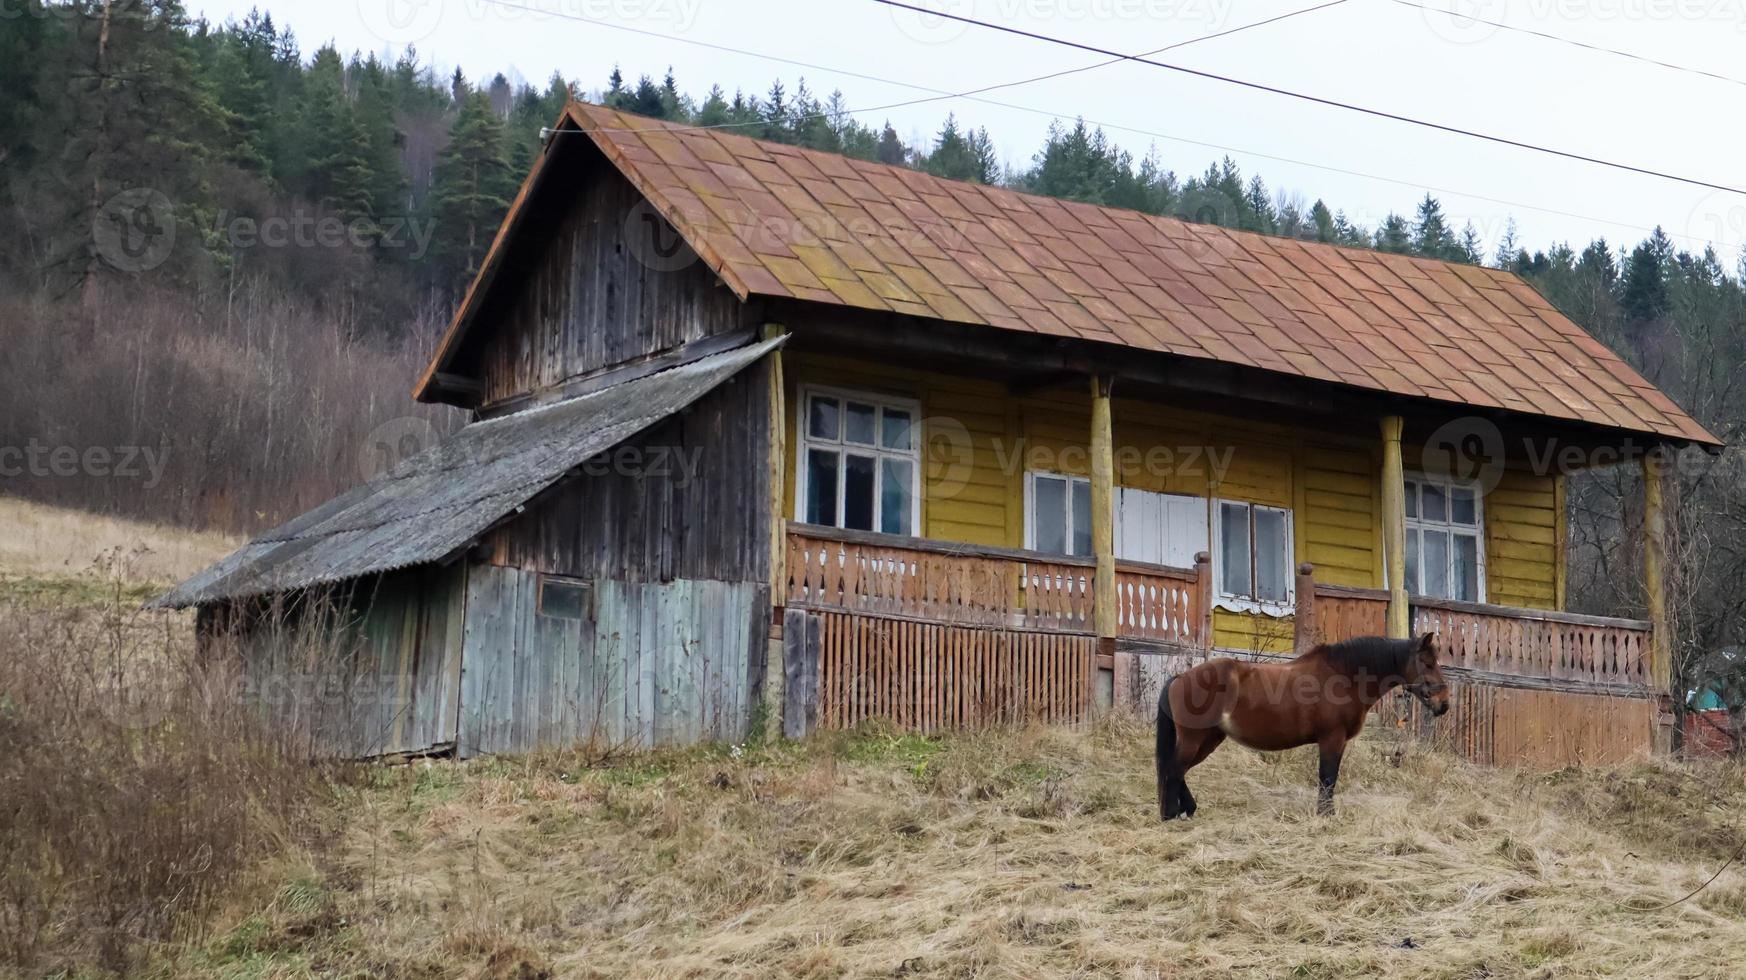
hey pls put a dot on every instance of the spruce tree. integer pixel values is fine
(472, 189)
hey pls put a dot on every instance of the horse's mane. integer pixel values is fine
(1375, 655)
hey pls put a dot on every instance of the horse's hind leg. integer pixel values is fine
(1209, 740)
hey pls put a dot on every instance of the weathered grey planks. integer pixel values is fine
(365, 670)
(601, 280)
(659, 664)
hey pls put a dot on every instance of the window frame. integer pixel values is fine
(1071, 480)
(805, 441)
(584, 586)
(1248, 603)
(1448, 485)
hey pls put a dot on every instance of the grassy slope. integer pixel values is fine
(1014, 854)
(1018, 854)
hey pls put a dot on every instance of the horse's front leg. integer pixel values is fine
(1333, 746)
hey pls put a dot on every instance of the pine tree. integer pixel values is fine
(1508, 247)
(1323, 219)
(472, 189)
(1643, 294)
(1431, 236)
(891, 149)
(1394, 235)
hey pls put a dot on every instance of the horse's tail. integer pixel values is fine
(1166, 735)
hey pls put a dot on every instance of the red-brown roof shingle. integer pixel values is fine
(781, 221)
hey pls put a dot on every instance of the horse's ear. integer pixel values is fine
(1428, 643)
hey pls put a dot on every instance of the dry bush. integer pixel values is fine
(135, 789)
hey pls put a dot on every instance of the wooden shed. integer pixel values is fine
(961, 455)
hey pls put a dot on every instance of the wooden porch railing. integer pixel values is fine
(968, 585)
(1155, 602)
(937, 581)
(1537, 643)
(1503, 640)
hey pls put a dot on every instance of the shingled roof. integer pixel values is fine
(780, 221)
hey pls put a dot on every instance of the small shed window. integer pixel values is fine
(562, 598)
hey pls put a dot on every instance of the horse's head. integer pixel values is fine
(1424, 678)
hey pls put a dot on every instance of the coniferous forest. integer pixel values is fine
(235, 252)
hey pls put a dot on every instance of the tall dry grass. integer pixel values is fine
(136, 790)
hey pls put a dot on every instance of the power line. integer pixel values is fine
(1116, 60)
(1574, 43)
(941, 94)
(1318, 100)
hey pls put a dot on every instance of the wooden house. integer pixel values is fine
(763, 425)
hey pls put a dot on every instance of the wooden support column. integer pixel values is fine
(1394, 528)
(778, 467)
(1305, 632)
(1203, 600)
(1103, 515)
(1655, 581)
(776, 665)
(1105, 615)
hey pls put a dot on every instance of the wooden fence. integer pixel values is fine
(931, 635)
(845, 668)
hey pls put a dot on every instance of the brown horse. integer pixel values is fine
(1320, 697)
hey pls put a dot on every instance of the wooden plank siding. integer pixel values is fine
(368, 669)
(680, 500)
(596, 285)
(668, 663)
(975, 494)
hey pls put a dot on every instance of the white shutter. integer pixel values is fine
(1139, 525)
(1185, 529)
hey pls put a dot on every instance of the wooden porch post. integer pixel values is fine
(1305, 631)
(778, 466)
(775, 656)
(1104, 614)
(1654, 580)
(1394, 527)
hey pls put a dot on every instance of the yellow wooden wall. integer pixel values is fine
(973, 488)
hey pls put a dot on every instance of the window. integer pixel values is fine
(1160, 528)
(859, 462)
(1445, 541)
(563, 598)
(1059, 518)
(1252, 560)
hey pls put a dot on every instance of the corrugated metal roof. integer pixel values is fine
(438, 501)
(783, 221)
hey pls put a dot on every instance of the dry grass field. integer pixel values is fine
(179, 847)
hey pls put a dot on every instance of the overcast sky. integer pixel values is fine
(1377, 53)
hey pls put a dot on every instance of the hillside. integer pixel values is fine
(160, 835)
(1023, 854)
